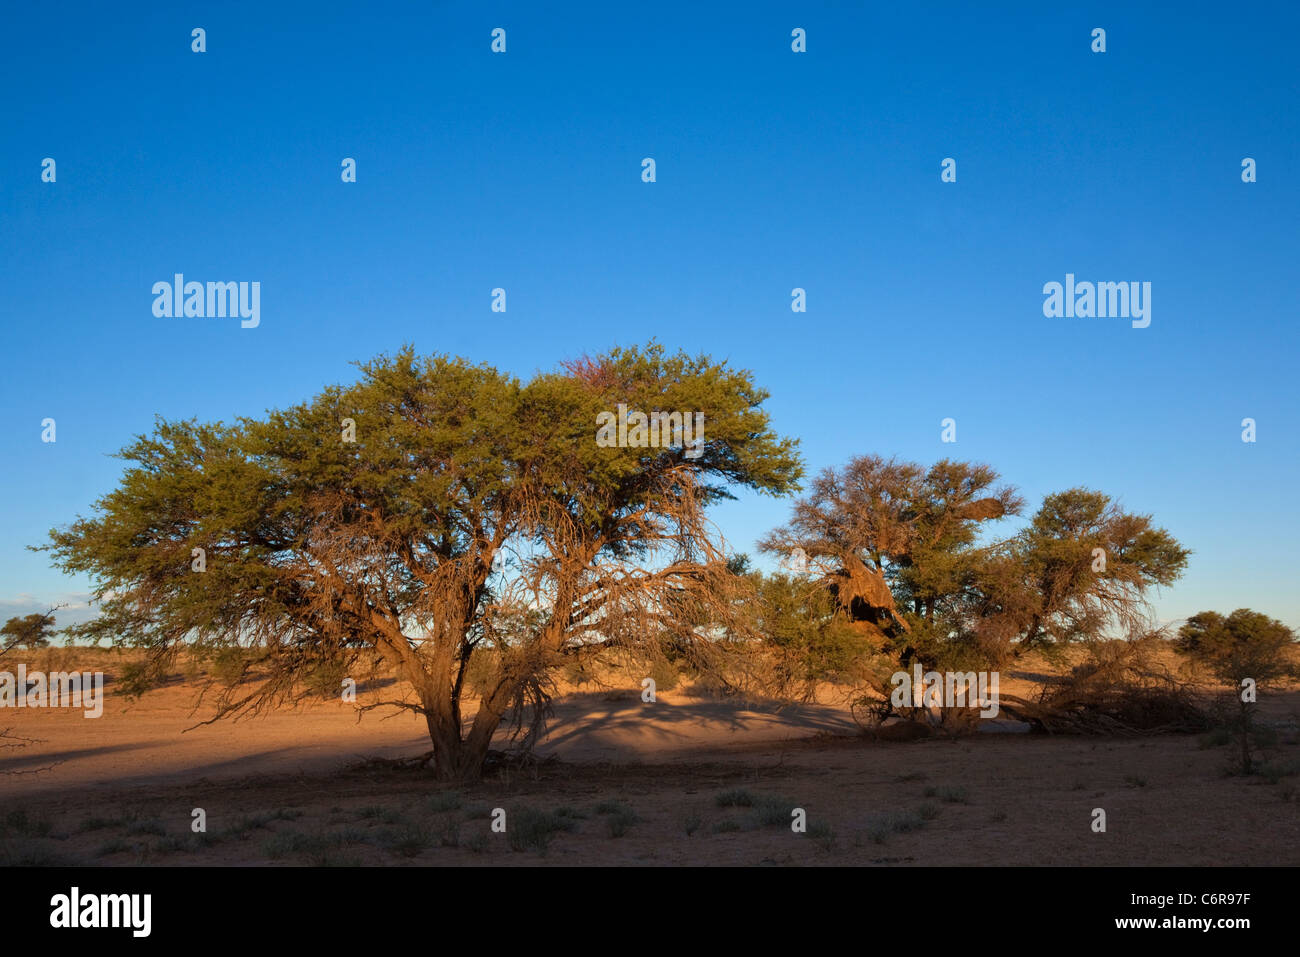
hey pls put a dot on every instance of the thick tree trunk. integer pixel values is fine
(455, 758)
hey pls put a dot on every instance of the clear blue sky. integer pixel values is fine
(775, 170)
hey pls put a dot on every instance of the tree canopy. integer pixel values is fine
(375, 517)
(902, 549)
(28, 631)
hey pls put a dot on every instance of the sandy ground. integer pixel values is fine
(683, 780)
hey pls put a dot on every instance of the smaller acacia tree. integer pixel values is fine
(1246, 650)
(29, 631)
(1082, 568)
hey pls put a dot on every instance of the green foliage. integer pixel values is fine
(325, 680)
(735, 798)
(620, 820)
(810, 643)
(319, 547)
(443, 801)
(948, 794)
(137, 678)
(899, 548)
(1244, 646)
(28, 631)
(881, 826)
(666, 675)
(533, 828)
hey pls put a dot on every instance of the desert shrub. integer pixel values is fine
(1275, 771)
(137, 677)
(230, 665)
(619, 818)
(666, 674)
(772, 811)
(532, 828)
(880, 826)
(949, 794)
(374, 812)
(482, 670)
(1216, 737)
(325, 680)
(443, 801)
(408, 840)
(18, 821)
(147, 826)
(807, 643)
(577, 670)
(284, 843)
(449, 835)
(96, 823)
(738, 797)
(821, 833)
(1120, 689)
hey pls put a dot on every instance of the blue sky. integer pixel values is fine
(818, 170)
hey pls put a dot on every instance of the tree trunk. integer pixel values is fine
(455, 758)
(1246, 763)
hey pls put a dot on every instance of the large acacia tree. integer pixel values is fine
(374, 518)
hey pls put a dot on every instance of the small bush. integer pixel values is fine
(482, 671)
(1273, 772)
(949, 795)
(283, 844)
(532, 828)
(735, 798)
(1216, 738)
(408, 841)
(691, 824)
(449, 836)
(621, 820)
(772, 812)
(880, 826)
(443, 801)
(665, 674)
(821, 833)
(149, 826)
(384, 815)
(97, 824)
(18, 820)
(138, 677)
(325, 680)
(229, 665)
